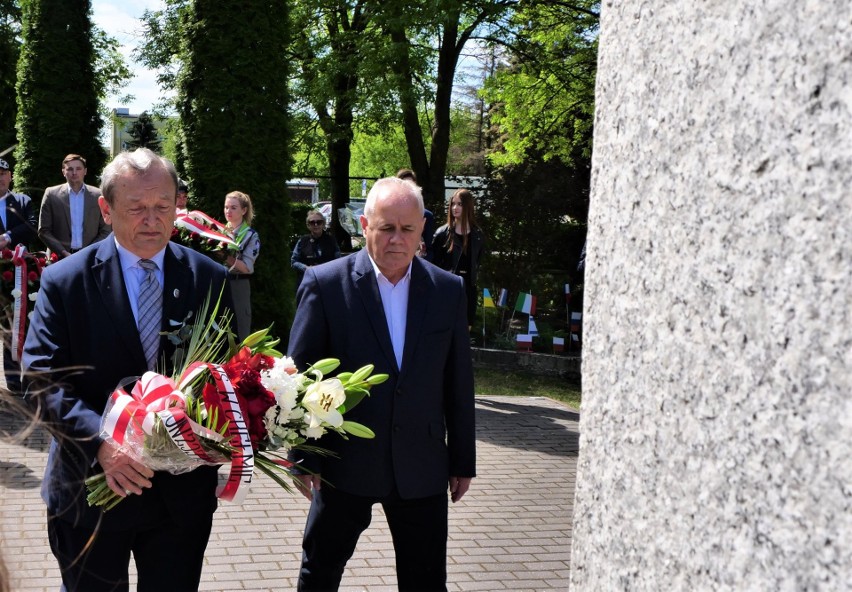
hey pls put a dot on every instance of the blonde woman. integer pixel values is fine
(239, 214)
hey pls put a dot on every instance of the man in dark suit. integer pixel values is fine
(82, 341)
(17, 216)
(70, 217)
(384, 306)
(17, 227)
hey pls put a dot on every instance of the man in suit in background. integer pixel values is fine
(18, 222)
(70, 218)
(384, 306)
(84, 338)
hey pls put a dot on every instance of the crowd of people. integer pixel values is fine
(387, 306)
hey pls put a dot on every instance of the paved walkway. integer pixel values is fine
(512, 531)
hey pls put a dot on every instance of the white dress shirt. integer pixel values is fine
(395, 305)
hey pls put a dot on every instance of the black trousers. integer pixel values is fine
(336, 520)
(168, 557)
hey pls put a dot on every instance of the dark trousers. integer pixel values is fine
(12, 371)
(168, 557)
(336, 520)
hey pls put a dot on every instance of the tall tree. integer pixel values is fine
(144, 134)
(336, 50)
(446, 26)
(10, 24)
(232, 103)
(57, 93)
(544, 96)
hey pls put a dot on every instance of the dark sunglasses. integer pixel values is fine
(316, 222)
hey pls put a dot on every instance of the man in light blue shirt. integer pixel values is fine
(70, 218)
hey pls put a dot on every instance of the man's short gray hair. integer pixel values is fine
(391, 183)
(138, 162)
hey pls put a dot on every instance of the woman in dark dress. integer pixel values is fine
(458, 245)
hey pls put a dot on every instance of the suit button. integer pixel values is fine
(396, 428)
(398, 392)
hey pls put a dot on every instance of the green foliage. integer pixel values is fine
(10, 21)
(57, 93)
(144, 134)
(543, 100)
(232, 103)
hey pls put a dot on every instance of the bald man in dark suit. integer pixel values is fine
(384, 306)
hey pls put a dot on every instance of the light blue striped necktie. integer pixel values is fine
(150, 309)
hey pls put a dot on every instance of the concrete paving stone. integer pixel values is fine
(517, 513)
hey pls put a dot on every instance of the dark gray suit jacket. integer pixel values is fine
(54, 223)
(83, 336)
(423, 416)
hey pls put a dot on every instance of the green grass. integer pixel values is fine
(523, 384)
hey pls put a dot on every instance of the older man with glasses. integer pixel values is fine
(316, 247)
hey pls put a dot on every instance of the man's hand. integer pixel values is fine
(123, 474)
(458, 487)
(307, 483)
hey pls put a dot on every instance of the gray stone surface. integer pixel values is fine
(716, 431)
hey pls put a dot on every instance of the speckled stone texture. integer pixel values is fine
(716, 427)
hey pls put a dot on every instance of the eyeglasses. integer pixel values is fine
(316, 222)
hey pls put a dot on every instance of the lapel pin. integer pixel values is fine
(176, 293)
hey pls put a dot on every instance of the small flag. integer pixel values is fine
(558, 344)
(503, 297)
(487, 302)
(533, 330)
(567, 293)
(524, 342)
(576, 325)
(525, 303)
(576, 321)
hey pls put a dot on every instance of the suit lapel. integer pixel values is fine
(65, 200)
(110, 283)
(418, 299)
(178, 297)
(365, 282)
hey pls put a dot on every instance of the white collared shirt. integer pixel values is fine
(395, 305)
(76, 200)
(134, 275)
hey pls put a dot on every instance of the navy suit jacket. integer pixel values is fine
(83, 336)
(423, 416)
(20, 219)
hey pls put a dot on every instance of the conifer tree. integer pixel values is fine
(232, 101)
(9, 49)
(144, 134)
(56, 93)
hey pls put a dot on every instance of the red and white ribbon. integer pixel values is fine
(202, 224)
(155, 396)
(19, 315)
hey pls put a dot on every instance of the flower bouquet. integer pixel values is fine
(20, 276)
(204, 234)
(247, 409)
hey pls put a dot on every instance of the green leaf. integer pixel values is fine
(357, 429)
(354, 395)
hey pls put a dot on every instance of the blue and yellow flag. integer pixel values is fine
(487, 301)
